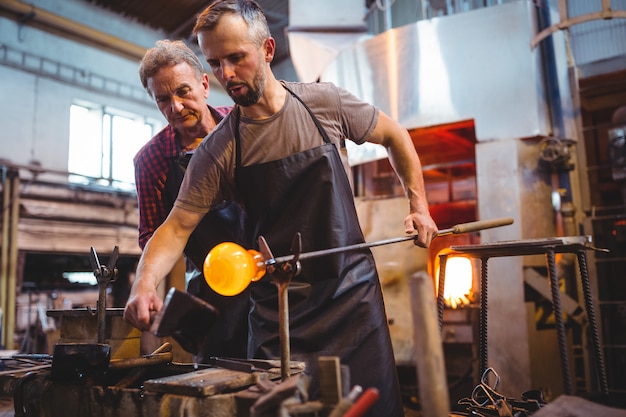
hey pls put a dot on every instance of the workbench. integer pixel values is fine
(168, 390)
(127, 383)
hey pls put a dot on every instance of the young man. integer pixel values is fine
(174, 77)
(277, 153)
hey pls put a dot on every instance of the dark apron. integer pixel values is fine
(335, 305)
(229, 335)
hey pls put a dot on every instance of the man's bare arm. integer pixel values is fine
(408, 168)
(157, 260)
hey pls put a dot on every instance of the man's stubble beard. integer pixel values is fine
(255, 92)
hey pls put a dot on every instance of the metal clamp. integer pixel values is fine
(105, 274)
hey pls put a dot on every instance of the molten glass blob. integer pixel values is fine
(229, 268)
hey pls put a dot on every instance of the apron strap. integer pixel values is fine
(317, 122)
(238, 119)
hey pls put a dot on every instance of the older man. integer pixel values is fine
(175, 78)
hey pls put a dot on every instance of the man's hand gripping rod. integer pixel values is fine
(454, 230)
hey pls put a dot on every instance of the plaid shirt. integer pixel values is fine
(152, 163)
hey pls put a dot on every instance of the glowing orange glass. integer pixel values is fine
(229, 268)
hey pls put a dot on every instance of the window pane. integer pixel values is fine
(103, 144)
(106, 148)
(85, 153)
(128, 136)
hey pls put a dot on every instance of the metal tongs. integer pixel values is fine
(253, 365)
(486, 401)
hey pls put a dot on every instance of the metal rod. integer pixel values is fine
(593, 323)
(102, 308)
(99, 272)
(457, 229)
(443, 260)
(482, 332)
(20, 371)
(148, 360)
(283, 325)
(559, 323)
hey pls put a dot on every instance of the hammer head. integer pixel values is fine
(186, 318)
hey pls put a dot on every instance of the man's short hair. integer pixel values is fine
(167, 53)
(249, 10)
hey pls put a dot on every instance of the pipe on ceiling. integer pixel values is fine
(50, 22)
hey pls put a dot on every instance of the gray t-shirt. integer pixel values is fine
(209, 179)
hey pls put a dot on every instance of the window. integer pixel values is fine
(103, 142)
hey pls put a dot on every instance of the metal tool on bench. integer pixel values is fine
(254, 365)
(74, 362)
(229, 269)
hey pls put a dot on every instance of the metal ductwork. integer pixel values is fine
(318, 31)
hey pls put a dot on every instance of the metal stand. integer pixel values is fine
(105, 275)
(283, 269)
(549, 247)
(282, 273)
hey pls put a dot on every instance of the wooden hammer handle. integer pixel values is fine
(479, 225)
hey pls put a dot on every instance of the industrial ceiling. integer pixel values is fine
(437, 145)
(177, 18)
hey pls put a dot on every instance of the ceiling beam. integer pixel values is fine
(27, 14)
